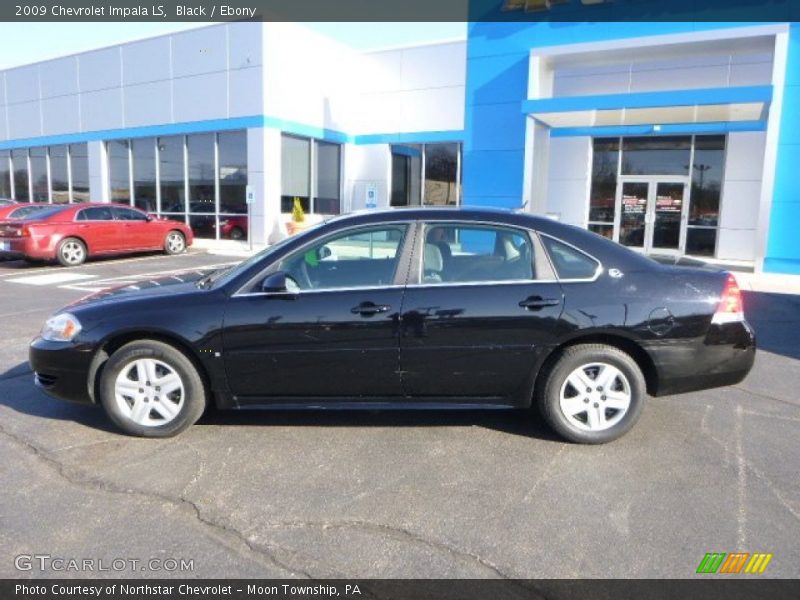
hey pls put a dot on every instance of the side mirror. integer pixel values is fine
(279, 283)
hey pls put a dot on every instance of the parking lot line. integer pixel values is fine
(101, 284)
(95, 265)
(51, 278)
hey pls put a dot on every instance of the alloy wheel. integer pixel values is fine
(149, 392)
(175, 243)
(73, 252)
(595, 396)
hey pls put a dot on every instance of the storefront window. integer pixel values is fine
(233, 223)
(707, 176)
(406, 175)
(326, 193)
(39, 183)
(663, 155)
(19, 158)
(5, 174)
(295, 172)
(201, 173)
(602, 200)
(79, 163)
(441, 174)
(118, 170)
(170, 174)
(59, 174)
(144, 174)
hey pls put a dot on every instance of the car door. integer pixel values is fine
(483, 302)
(96, 225)
(335, 336)
(135, 230)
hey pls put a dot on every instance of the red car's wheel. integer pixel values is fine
(71, 252)
(174, 243)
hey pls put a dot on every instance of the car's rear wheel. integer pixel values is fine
(71, 252)
(174, 243)
(151, 389)
(237, 233)
(592, 393)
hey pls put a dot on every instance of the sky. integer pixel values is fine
(24, 43)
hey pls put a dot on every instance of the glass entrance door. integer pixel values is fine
(651, 214)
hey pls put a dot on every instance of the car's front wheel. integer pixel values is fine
(592, 394)
(151, 389)
(71, 252)
(174, 243)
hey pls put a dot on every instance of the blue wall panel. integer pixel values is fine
(783, 242)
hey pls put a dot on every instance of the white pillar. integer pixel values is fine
(98, 172)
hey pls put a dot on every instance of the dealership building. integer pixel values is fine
(675, 138)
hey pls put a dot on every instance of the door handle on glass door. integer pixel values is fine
(537, 302)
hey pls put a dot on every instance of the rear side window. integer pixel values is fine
(466, 253)
(128, 214)
(25, 211)
(96, 213)
(569, 262)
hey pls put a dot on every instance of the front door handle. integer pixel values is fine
(370, 308)
(537, 302)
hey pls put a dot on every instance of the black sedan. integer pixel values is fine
(412, 308)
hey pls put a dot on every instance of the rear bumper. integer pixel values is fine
(723, 357)
(61, 369)
(24, 247)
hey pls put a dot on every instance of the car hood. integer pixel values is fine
(165, 285)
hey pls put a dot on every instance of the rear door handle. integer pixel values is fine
(537, 302)
(370, 308)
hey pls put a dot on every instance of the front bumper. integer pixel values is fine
(61, 369)
(723, 357)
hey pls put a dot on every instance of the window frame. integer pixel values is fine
(401, 273)
(423, 149)
(313, 181)
(598, 271)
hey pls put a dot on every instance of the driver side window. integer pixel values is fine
(360, 258)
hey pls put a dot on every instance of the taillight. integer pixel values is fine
(731, 307)
(24, 231)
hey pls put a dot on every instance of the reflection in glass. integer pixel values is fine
(663, 155)
(233, 172)
(295, 172)
(406, 175)
(201, 173)
(604, 180)
(59, 179)
(79, 163)
(707, 174)
(144, 174)
(19, 158)
(607, 231)
(203, 226)
(327, 184)
(701, 241)
(118, 170)
(441, 174)
(667, 211)
(634, 208)
(233, 227)
(5, 174)
(39, 183)
(170, 174)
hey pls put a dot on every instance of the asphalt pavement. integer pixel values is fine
(393, 494)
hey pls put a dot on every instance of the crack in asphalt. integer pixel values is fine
(185, 504)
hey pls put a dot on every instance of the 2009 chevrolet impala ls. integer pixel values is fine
(410, 308)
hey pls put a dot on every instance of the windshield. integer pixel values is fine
(222, 276)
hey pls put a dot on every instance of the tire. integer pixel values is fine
(592, 414)
(71, 252)
(174, 243)
(145, 410)
(236, 234)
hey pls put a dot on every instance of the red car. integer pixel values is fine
(21, 210)
(71, 233)
(233, 228)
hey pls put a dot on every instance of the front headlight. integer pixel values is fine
(62, 327)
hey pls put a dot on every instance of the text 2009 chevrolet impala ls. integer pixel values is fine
(408, 308)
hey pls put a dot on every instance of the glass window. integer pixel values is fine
(233, 172)
(602, 200)
(707, 174)
(569, 262)
(295, 172)
(5, 174)
(79, 163)
(441, 174)
(663, 155)
(406, 175)
(25, 211)
(144, 174)
(327, 184)
(39, 174)
(468, 253)
(96, 213)
(201, 173)
(170, 174)
(366, 258)
(59, 174)
(119, 170)
(19, 158)
(607, 231)
(127, 214)
(701, 241)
